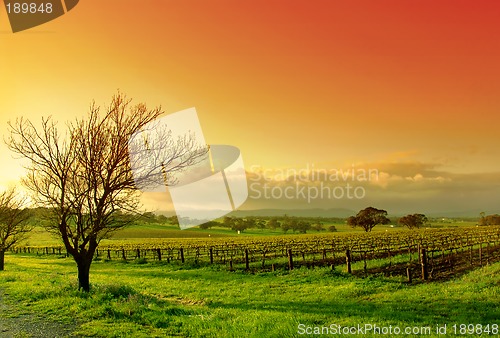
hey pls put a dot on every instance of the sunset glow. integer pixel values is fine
(408, 88)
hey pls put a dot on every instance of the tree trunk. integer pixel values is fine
(2, 259)
(83, 265)
(83, 258)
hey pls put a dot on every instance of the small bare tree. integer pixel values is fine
(85, 179)
(14, 224)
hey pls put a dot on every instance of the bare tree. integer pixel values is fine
(14, 224)
(86, 178)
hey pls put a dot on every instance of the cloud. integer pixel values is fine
(398, 186)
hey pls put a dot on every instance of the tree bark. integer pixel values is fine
(2, 259)
(83, 265)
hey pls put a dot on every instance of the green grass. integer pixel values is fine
(156, 299)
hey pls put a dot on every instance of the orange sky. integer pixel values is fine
(288, 82)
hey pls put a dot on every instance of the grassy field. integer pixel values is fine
(156, 300)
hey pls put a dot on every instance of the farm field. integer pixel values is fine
(160, 300)
(433, 253)
(221, 284)
(141, 232)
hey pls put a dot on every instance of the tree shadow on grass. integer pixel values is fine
(416, 312)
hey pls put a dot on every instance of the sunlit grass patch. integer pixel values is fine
(154, 299)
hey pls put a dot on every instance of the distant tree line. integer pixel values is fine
(285, 223)
(489, 219)
(369, 217)
(150, 217)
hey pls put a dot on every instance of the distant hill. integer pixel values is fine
(340, 213)
(462, 213)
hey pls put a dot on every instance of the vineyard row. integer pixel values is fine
(419, 247)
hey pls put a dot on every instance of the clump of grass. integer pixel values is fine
(113, 291)
(140, 261)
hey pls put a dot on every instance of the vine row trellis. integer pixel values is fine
(479, 243)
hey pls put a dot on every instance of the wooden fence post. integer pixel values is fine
(348, 260)
(290, 259)
(247, 263)
(480, 254)
(364, 259)
(488, 253)
(423, 259)
(418, 253)
(470, 254)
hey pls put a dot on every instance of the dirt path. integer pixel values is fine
(28, 325)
